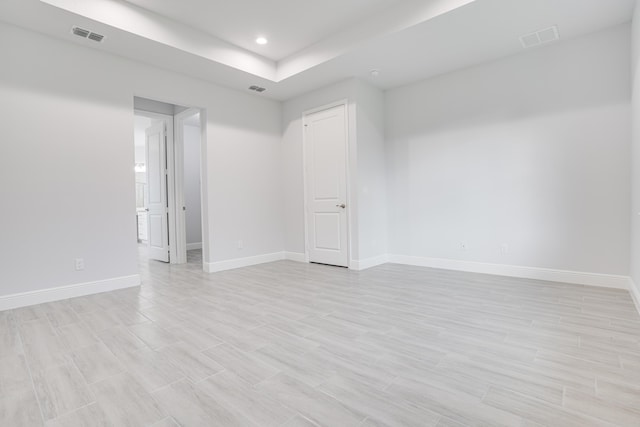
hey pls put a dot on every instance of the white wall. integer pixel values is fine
(371, 169)
(69, 179)
(531, 151)
(635, 158)
(193, 218)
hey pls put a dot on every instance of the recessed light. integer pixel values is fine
(262, 40)
(375, 73)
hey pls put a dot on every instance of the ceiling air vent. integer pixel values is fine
(80, 32)
(96, 37)
(537, 38)
(257, 88)
(87, 34)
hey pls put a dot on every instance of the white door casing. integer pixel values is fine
(179, 172)
(157, 221)
(325, 139)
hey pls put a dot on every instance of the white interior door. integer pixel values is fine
(326, 168)
(157, 207)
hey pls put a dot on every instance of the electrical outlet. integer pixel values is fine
(504, 248)
(79, 264)
(240, 244)
(463, 246)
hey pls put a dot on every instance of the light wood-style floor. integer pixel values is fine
(292, 344)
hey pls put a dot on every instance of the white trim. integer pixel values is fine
(344, 102)
(204, 186)
(295, 256)
(192, 246)
(24, 299)
(178, 182)
(363, 264)
(564, 276)
(634, 290)
(181, 224)
(229, 264)
(171, 193)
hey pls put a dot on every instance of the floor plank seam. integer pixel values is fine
(33, 385)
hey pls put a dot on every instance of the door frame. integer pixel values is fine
(168, 122)
(204, 170)
(305, 173)
(181, 230)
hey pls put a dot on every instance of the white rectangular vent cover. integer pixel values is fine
(87, 34)
(537, 38)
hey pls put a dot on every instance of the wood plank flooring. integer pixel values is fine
(292, 344)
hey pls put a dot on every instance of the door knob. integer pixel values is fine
(341, 206)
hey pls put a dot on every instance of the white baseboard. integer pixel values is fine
(634, 290)
(213, 267)
(192, 246)
(24, 299)
(295, 256)
(564, 276)
(363, 264)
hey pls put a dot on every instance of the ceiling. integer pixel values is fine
(312, 44)
(289, 25)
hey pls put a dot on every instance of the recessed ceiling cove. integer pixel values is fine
(290, 25)
(302, 34)
(314, 44)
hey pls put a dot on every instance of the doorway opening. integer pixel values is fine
(169, 170)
